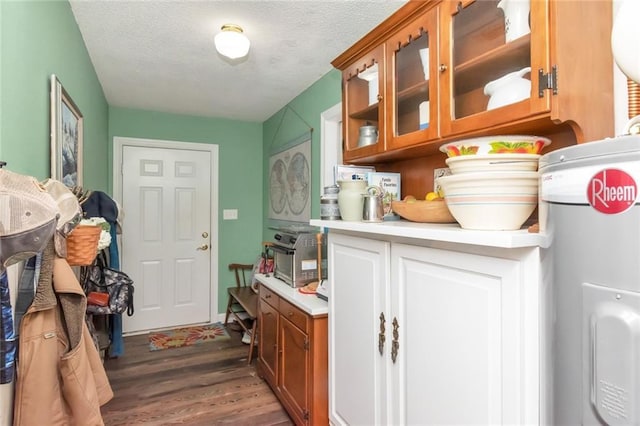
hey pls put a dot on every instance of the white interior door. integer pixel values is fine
(166, 235)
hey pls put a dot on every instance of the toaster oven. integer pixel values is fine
(296, 257)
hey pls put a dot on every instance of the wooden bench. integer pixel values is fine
(242, 298)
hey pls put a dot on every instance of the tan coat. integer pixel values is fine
(60, 377)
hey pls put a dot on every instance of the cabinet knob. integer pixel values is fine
(442, 68)
(379, 97)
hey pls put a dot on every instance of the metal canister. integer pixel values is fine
(329, 209)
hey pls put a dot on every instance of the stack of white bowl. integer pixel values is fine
(494, 181)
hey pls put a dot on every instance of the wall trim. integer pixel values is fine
(330, 143)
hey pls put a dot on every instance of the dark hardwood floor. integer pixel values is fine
(206, 384)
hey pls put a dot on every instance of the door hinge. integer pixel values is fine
(306, 343)
(547, 81)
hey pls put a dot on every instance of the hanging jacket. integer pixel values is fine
(99, 204)
(60, 377)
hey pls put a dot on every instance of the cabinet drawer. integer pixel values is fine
(293, 314)
(269, 296)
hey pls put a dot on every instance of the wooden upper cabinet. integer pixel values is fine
(567, 91)
(412, 82)
(486, 62)
(363, 96)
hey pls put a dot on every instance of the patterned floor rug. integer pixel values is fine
(179, 337)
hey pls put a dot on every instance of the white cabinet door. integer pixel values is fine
(459, 325)
(359, 276)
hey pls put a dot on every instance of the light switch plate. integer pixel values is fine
(444, 171)
(230, 214)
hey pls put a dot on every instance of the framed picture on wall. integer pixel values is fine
(66, 136)
(290, 181)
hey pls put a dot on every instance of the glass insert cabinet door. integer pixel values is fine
(364, 110)
(414, 108)
(491, 56)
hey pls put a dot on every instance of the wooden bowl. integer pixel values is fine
(435, 211)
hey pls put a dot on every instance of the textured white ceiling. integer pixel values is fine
(159, 55)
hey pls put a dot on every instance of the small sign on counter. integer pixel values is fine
(389, 183)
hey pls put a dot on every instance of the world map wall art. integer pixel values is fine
(290, 183)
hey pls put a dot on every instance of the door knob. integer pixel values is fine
(203, 247)
(205, 234)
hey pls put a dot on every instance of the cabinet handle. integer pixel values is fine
(379, 97)
(268, 296)
(395, 345)
(442, 68)
(381, 337)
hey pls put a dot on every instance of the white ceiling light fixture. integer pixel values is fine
(231, 42)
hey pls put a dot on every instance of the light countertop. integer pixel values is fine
(449, 232)
(309, 303)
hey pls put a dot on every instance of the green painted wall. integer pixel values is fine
(40, 38)
(240, 175)
(293, 120)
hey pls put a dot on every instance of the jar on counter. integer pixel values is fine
(351, 199)
(329, 209)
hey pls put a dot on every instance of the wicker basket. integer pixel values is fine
(82, 245)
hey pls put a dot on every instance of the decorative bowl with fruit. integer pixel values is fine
(499, 144)
(432, 209)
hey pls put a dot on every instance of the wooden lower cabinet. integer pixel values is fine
(269, 319)
(292, 357)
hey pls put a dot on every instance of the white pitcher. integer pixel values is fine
(351, 199)
(509, 88)
(516, 18)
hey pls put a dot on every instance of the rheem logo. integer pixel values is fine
(612, 191)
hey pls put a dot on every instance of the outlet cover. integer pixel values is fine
(230, 214)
